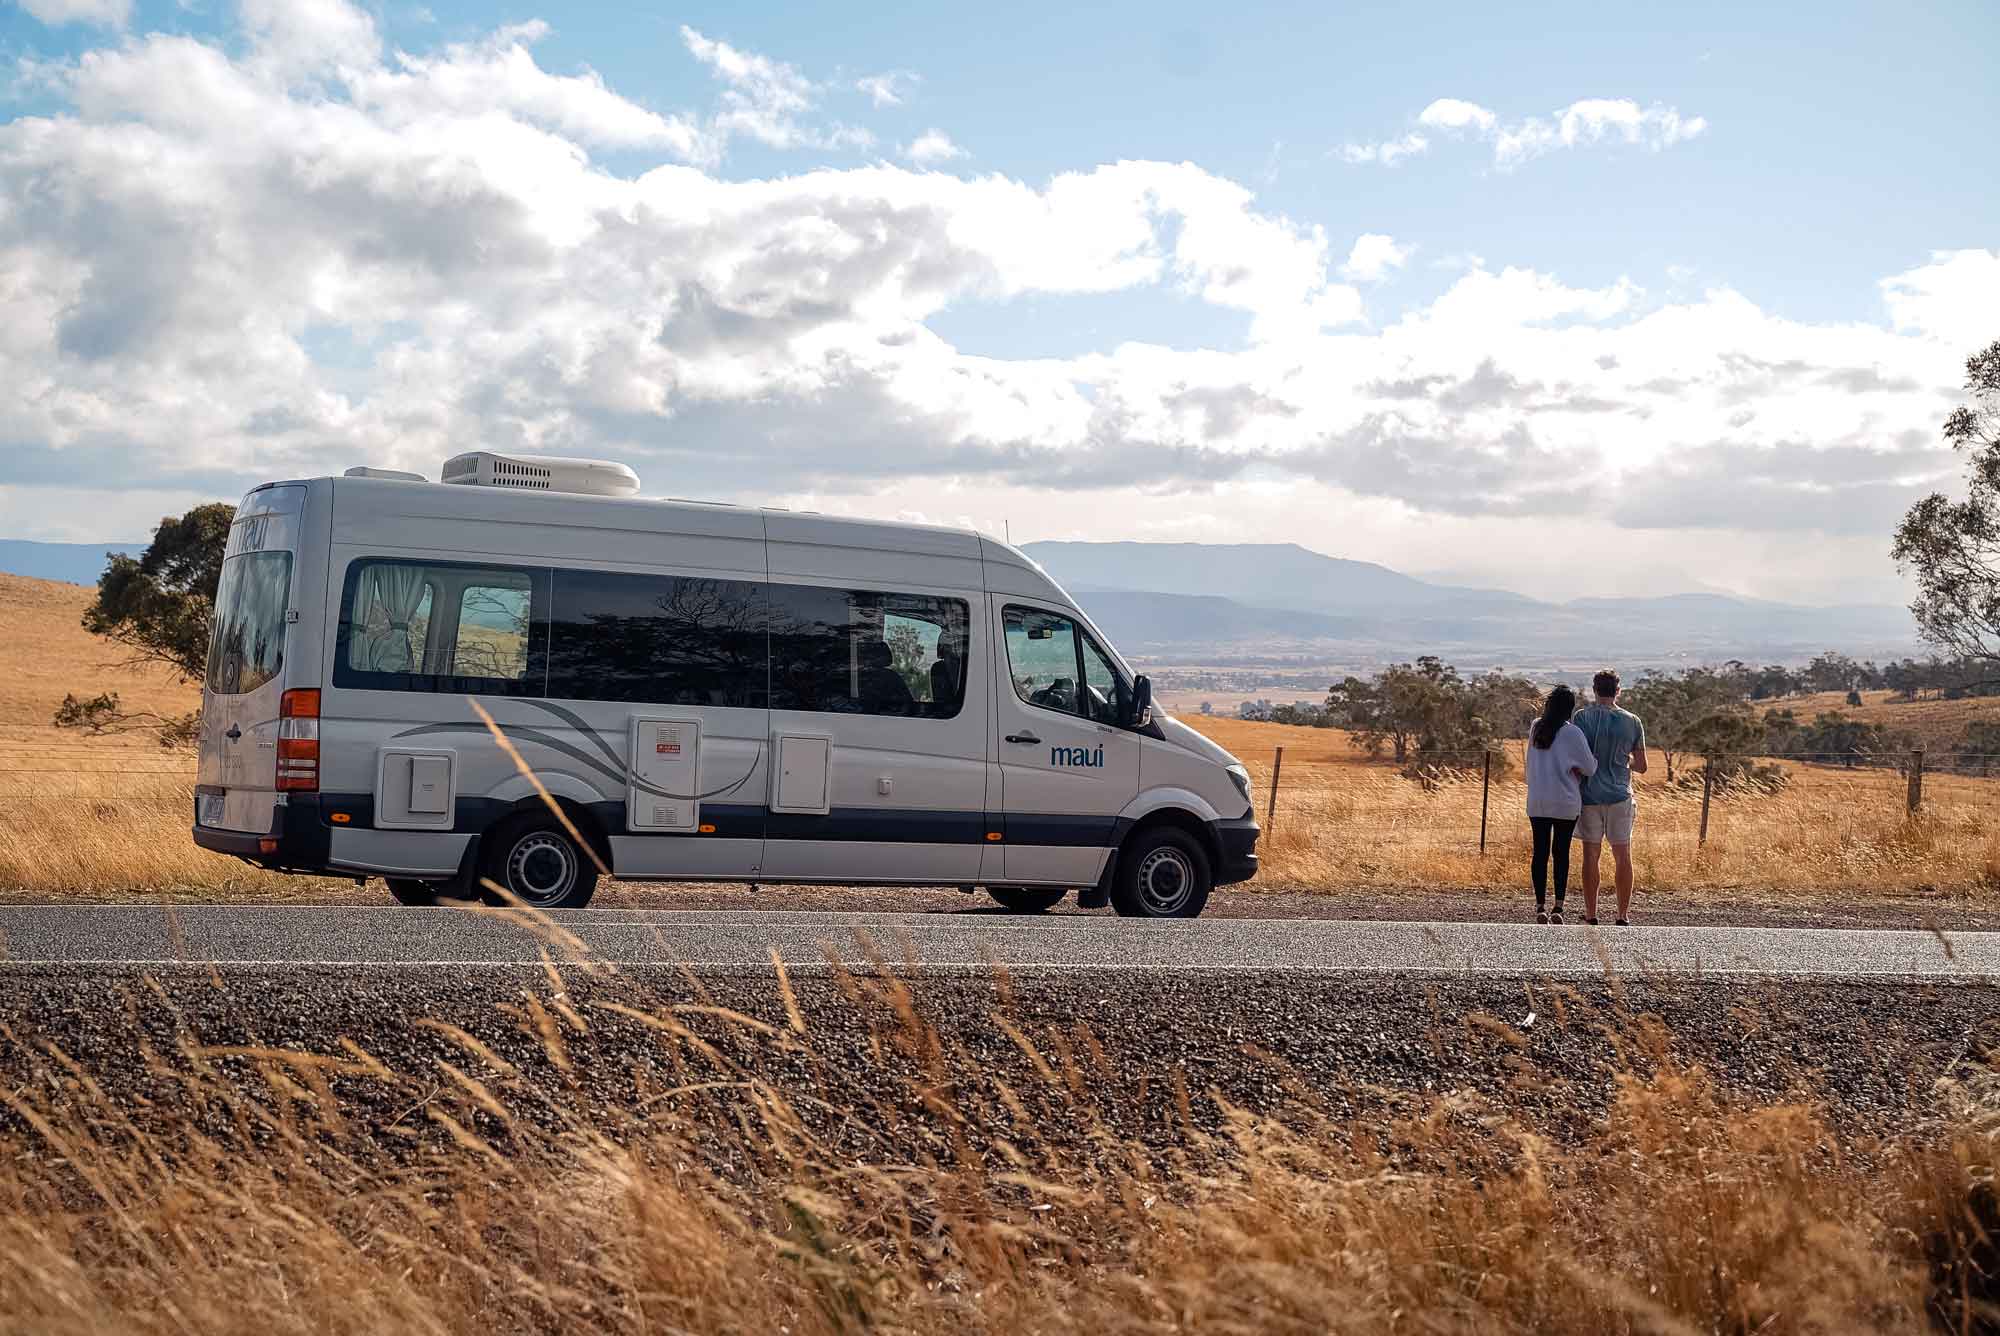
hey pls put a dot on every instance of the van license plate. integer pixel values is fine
(208, 809)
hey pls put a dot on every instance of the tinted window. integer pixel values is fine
(667, 640)
(247, 647)
(848, 651)
(441, 626)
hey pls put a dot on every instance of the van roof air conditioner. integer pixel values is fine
(541, 473)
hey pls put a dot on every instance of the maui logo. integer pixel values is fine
(1091, 758)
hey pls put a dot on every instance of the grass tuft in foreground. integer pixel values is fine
(746, 1180)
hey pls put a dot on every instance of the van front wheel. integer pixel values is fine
(1162, 873)
(537, 862)
(411, 892)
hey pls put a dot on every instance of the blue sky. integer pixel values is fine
(1710, 333)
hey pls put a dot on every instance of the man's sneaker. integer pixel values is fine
(1591, 921)
(1624, 923)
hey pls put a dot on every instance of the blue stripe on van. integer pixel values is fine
(751, 821)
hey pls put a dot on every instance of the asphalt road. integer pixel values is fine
(726, 941)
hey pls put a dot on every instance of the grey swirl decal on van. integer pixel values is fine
(616, 771)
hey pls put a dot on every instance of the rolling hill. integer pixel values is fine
(72, 563)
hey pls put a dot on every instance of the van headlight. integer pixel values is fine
(1241, 779)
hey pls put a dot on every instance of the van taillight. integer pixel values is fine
(298, 740)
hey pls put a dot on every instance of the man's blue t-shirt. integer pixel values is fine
(1614, 735)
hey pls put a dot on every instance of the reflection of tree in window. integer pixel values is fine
(249, 644)
(657, 638)
(492, 632)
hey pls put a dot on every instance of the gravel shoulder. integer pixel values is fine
(1548, 1053)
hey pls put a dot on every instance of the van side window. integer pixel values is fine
(660, 639)
(857, 651)
(442, 626)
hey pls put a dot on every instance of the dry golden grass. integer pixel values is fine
(1345, 820)
(314, 1189)
(1937, 724)
(45, 654)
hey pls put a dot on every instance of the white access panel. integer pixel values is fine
(413, 789)
(801, 774)
(666, 775)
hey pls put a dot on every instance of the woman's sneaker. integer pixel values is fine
(1556, 917)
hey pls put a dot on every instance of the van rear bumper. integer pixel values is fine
(299, 839)
(1238, 842)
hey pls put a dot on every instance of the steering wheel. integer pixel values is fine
(1056, 695)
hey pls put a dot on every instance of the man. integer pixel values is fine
(1618, 741)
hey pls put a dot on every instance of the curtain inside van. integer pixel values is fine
(390, 597)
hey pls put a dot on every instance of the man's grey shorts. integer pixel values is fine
(1606, 822)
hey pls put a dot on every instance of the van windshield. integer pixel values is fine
(247, 649)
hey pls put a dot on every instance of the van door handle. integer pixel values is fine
(1026, 739)
(233, 733)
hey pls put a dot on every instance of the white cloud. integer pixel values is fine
(1592, 121)
(1585, 122)
(1956, 298)
(103, 13)
(182, 245)
(931, 147)
(766, 100)
(1449, 113)
(499, 73)
(1388, 153)
(887, 90)
(1373, 257)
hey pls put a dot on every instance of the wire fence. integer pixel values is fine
(1476, 801)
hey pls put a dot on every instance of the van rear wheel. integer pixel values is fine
(411, 892)
(1026, 899)
(1162, 873)
(538, 863)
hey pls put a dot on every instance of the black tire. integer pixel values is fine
(1162, 873)
(410, 892)
(538, 863)
(1027, 899)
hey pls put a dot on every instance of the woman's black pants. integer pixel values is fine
(1552, 836)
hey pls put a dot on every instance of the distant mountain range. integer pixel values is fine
(1201, 602)
(75, 563)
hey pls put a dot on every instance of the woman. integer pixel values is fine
(1559, 760)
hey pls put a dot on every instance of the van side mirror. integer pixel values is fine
(1141, 713)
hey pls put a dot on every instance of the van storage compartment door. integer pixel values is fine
(801, 778)
(414, 789)
(665, 793)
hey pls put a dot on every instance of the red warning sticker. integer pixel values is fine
(667, 748)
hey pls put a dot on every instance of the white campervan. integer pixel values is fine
(706, 692)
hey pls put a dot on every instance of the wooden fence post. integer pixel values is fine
(1707, 792)
(1277, 769)
(1485, 789)
(1916, 781)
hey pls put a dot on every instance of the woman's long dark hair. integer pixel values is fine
(1556, 711)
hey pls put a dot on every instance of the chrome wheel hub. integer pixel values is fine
(541, 868)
